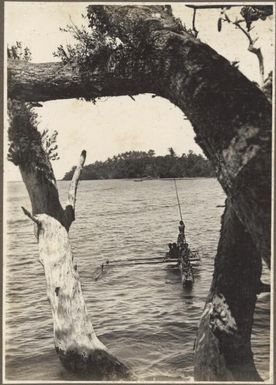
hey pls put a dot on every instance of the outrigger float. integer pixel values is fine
(178, 253)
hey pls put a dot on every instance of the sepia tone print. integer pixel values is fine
(138, 179)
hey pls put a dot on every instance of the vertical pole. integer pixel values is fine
(178, 199)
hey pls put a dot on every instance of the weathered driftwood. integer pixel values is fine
(76, 343)
(231, 117)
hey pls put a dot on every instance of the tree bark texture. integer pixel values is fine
(226, 323)
(232, 120)
(76, 343)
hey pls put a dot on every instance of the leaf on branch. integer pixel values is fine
(92, 46)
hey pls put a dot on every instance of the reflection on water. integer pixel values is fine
(140, 312)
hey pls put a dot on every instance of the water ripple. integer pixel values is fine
(140, 312)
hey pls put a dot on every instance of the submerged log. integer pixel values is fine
(231, 117)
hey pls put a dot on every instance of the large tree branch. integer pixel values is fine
(51, 81)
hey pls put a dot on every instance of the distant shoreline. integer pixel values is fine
(142, 165)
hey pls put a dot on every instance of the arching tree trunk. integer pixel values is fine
(232, 121)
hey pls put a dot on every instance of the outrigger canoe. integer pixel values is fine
(185, 264)
(186, 271)
(181, 252)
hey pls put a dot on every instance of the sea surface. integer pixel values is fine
(140, 312)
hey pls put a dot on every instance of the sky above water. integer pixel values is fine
(119, 124)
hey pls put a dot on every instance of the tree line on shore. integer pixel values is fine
(142, 164)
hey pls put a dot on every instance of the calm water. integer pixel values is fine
(141, 313)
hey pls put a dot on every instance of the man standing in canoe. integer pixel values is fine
(181, 236)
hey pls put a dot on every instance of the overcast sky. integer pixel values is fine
(119, 124)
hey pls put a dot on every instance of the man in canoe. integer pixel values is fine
(181, 236)
(186, 263)
(173, 251)
(181, 227)
(170, 252)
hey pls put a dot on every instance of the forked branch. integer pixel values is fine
(251, 48)
(72, 193)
